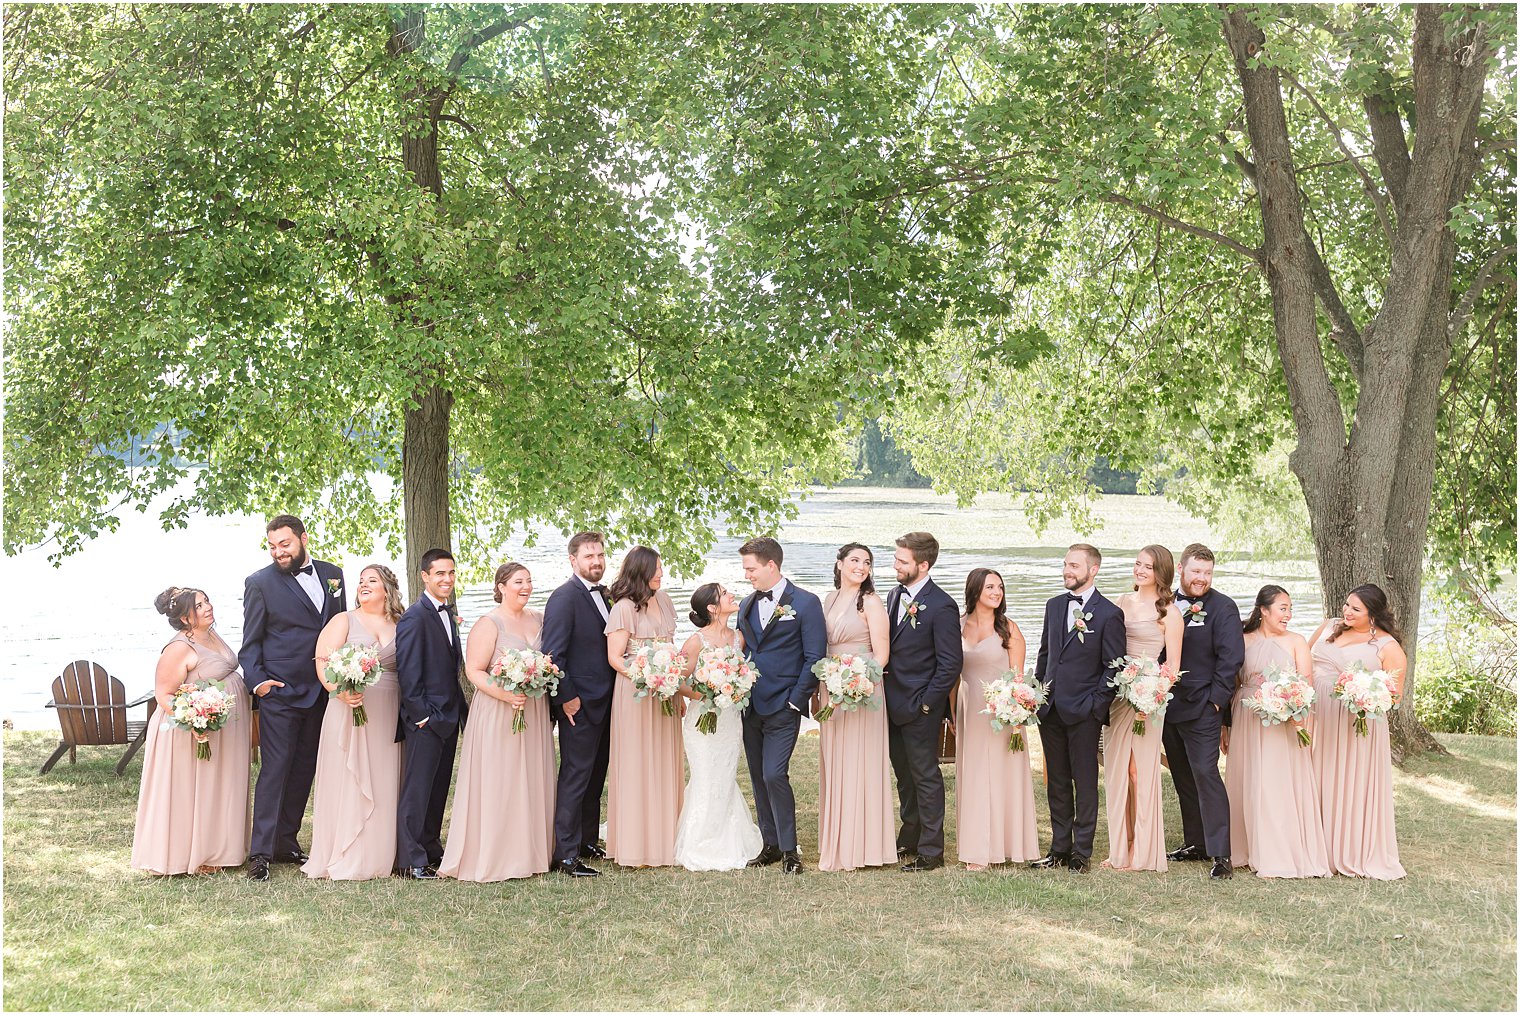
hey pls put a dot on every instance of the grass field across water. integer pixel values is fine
(82, 930)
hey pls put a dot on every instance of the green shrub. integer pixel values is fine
(1467, 688)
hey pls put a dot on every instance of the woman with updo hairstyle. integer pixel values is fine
(1354, 772)
(1275, 826)
(716, 830)
(192, 813)
(855, 814)
(645, 784)
(503, 814)
(358, 780)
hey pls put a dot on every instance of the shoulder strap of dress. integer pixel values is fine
(353, 618)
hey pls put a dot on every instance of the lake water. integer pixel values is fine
(99, 604)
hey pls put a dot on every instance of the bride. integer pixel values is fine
(716, 830)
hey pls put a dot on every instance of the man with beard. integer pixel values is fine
(575, 636)
(285, 607)
(1213, 650)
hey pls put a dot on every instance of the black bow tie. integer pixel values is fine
(308, 569)
(446, 608)
(600, 590)
(1073, 597)
(767, 594)
(1186, 598)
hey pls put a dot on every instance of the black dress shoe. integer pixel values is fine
(1050, 861)
(1222, 870)
(576, 869)
(791, 862)
(904, 853)
(923, 863)
(258, 868)
(768, 855)
(593, 851)
(294, 856)
(1078, 864)
(1185, 853)
(419, 874)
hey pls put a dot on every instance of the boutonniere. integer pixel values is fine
(783, 612)
(1079, 625)
(335, 587)
(911, 609)
(1194, 613)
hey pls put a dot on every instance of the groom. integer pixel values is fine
(784, 633)
(922, 667)
(1213, 650)
(285, 607)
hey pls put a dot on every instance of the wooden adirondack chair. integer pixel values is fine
(92, 711)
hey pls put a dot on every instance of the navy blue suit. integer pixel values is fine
(784, 652)
(1213, 650)
(575, 635)
(922, 667)
(427, 669)
(1075, 669)
(280, 629)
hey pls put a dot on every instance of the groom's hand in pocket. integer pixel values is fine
(267, 686)
(570, 708)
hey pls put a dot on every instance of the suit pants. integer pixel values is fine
(1071, 763)
(427, 768)
(1192, 753)
(583, 753)
(288, 740)
(768, 744)
(913, 748)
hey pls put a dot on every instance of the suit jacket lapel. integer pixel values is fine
(786, 598)
(293, 585)
(893, 598)
(745, 627)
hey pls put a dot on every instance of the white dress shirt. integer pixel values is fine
(1072, 608)
(913, 591)
(311, 585)
(596, 597)
(448, 622)
(767, 607)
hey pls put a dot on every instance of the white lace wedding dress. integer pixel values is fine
(716, 831)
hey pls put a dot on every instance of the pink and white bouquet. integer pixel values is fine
(1366, 694)
(524, 671)
(657, 670)
(1145, 684)
(1283, 696)
(850, 680)
(202, 708)
(1013, 700)
(723, 678)
(353, 667)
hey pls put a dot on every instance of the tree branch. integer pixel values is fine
(1253, 254)
(1463, 313)
(1379, 199)
(1389, 144)
(467, 47)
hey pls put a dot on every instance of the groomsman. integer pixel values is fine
(285, 607)
(1082, 637)
(1213, 650)
(428, 657)
(922, 668)
(784, 634)
(575, 635)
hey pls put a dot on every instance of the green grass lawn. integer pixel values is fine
(83, 931)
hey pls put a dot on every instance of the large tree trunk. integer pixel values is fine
(425, 480)
(1368, 491)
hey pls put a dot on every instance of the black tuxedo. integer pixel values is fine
(1213, 650)
(1076, 669)
(427, 669)
(922, 667)
(280, 629)
(575, 635)
(783, 652)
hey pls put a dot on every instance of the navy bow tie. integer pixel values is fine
(1186, 598)
(1073, 597)
(767, 594)
(446, 608)
(308, 569)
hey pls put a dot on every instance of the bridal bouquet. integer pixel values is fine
(1284, 696)
(202, 708)
(524, 671)
(1013, 701)
(1365, 693)
(353, 667)
(1145, 684)
(723, 678)
(850, 680)
(657, 670)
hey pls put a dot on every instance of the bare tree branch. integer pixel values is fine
(1463, 312)
(1389, 144)
(1379, 199)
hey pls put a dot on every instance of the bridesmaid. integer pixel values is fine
(353, 817)
(644, 777)
(1274, 802)
(192, 814)
(994, 793)
(1355, 773)
(1132, 764)
(855, 813)
(503, 817)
